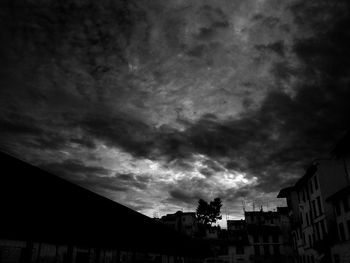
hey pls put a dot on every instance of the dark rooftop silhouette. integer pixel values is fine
(39, 206)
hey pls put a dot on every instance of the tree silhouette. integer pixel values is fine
(209, 213)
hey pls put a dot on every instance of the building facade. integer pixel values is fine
(340, 249)
(312, 202)
(183, 222)
(45, 218)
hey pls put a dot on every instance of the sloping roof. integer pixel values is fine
(342, 148)
(339, 194)
(37, 205)
(310, 171)
(285, 192)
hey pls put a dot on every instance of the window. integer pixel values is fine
(301, 218)
(276, 249)
(275, 238)
(316, 182)
(256, 238)
(311, 188)
(337, 209)
(319, 205)
(314, 207)
(310, 241)
(256, 250)
(312, 259)
(318, 231)
(266, 250)
(266, 238)
(348, 224)
(239, 250)
(303, 196)
(346, 204)
(336, 258)
(307, 219)
(323, 227)
(341, 231)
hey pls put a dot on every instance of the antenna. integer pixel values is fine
(243, 205)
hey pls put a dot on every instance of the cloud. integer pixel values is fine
(277, 47)
(213, 91)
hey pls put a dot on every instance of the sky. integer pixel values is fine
(157, 103)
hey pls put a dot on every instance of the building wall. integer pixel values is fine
(240, 253)
(341, 250)
(310, 214)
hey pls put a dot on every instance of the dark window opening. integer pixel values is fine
(266, 238)
(256, 250)
(337, 209)
(346, 204)
(314, 207)
(276, 249)
(318, 231)
(319, 205)
(323, 227)
(239, 250)
(316, 182)
(275, 238)
(336, 258)
(266, 250)
(311, 188)
(256, 238)
(310, 241)
(341, 232)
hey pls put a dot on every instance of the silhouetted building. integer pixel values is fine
(47, 219)
(313, 221)
(261, 237)
(269, 235)
(340, 249)
(236, 225)
(239, 249)
(185, 223)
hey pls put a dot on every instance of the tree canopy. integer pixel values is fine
(209, 213)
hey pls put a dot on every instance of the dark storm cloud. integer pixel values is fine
(84, 58)
(215, 19)
(75, 167)
(127, 132)
(181, 196)
(268, 21)
(97, 178)
(185, 196)
(15, 123)
(277, 47)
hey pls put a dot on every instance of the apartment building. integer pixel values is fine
(183, 222)
(269, 235)
(311, 206)
(340, 249)
(45, 218)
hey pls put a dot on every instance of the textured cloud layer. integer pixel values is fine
(158, 103)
